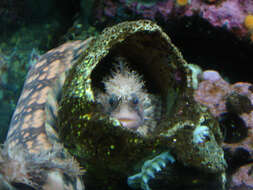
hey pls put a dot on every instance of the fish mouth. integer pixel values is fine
(129, 123)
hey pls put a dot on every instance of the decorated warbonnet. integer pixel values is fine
(126, 99)
(128, 115)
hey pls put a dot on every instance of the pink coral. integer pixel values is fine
(215, 93)
(227, 13)
(243, 178)
(212, 92)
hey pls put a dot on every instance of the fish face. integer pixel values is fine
(124, 96)
(129, 113)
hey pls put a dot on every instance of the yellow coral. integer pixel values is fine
(248, 22)
(182, 2)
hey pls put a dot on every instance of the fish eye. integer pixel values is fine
(135, 99)
(113, 100)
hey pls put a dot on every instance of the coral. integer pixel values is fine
(229, 14)
(243, 178)
(211, 92)
(221, 97)
(248, 22)
(232, 104)
(182, 2)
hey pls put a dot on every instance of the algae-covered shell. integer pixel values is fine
(109, 152)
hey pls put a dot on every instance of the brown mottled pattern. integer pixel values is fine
(27, 126)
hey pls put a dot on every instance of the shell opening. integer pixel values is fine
(149, 56)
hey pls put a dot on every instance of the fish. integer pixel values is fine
(127, 100)
(32, 153)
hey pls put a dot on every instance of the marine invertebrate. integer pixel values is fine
(221, 97)
(126, 99)
(232, 104)
(248, 23)
(182, 2)
(242, 179)
(219, 13)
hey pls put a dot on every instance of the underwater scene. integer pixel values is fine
(126, 94)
